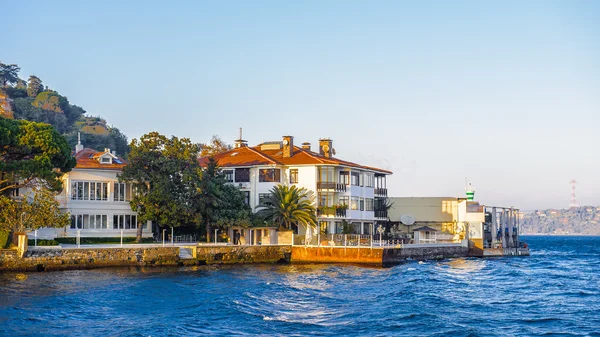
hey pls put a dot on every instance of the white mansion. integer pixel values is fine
(97, 201)
(344, 190)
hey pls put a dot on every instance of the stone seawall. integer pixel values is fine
(242, 254)
(365, 255)
(397, 255)
(65, 259)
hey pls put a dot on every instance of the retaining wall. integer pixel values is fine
(64, 259)
(365, 255)
(242, 254)
(397, 255)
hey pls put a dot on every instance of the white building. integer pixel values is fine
(98, 203)
(343, 190)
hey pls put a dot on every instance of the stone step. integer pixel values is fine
(185, 253)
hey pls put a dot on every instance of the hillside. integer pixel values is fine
(579, 220)
(33, 101)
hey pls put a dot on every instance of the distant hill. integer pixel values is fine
(32, 101)
(578, 220)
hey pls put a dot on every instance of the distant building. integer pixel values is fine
(343, 190)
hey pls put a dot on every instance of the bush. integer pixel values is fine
(93, 241)
(5, 239)
(31, 242)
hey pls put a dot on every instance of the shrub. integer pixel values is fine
(90, 241)
(5, 239)
(31, 242)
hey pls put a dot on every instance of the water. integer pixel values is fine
(553, 292)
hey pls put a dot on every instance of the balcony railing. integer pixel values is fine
(381, 191)
(381, 214)
(331, 211)
(331, 186)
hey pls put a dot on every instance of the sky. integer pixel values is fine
(503, 93)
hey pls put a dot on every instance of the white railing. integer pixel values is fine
(334, 240)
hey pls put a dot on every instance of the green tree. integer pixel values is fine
(215, 146)
(34, 86)
(9, 73)
(220, 204)
(287, 205)
(32, 153)
(31, 212)
(165, 173)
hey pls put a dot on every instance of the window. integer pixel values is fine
(344, 200)
(106, 160)
(126, 221)
(344, 178)
(228, 175)
(89, 190)
(247, 197)
(355, 177)
(293, 176)
(369, 203)
(262, 198)
(325, 174)
(325, 199)
(269, 175)
(354, 204)
(362, 204)
(368, 180)
(89, 221)
(122, 192)
(242, 175)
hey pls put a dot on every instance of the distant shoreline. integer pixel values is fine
(549, 234)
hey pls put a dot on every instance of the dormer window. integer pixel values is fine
(106, 160)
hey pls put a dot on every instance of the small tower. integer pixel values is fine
(470, 191)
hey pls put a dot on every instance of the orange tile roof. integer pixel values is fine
(88, 159)
(249, 156)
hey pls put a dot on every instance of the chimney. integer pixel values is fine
(240, 142)
(106, 150)
(114, 153)
(288, 146)
(325, 147)
(306, 146)
(78, 147)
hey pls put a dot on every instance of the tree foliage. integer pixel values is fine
(8, 73)
(165, 173)
(287, 205)
(31, 212)
(32, 152)
(215, 146)
(34, 86)
(220, 204)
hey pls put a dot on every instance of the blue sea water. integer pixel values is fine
(554, 292)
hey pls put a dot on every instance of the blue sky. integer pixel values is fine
(505, 93)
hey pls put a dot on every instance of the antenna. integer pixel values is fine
(241, 133)
(573, 196)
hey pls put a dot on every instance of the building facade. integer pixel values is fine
(345, 193)
(97, 201)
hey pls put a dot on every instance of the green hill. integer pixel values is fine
(32, 101)
(584, 220)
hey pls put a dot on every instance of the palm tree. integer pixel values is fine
(287, 205)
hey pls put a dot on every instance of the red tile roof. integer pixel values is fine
(249, 156)
(89, 159)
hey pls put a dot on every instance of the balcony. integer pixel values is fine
(321, 185)
(380, 192)
(336, 211)
(381, 214)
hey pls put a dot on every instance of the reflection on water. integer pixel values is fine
(538, 295)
